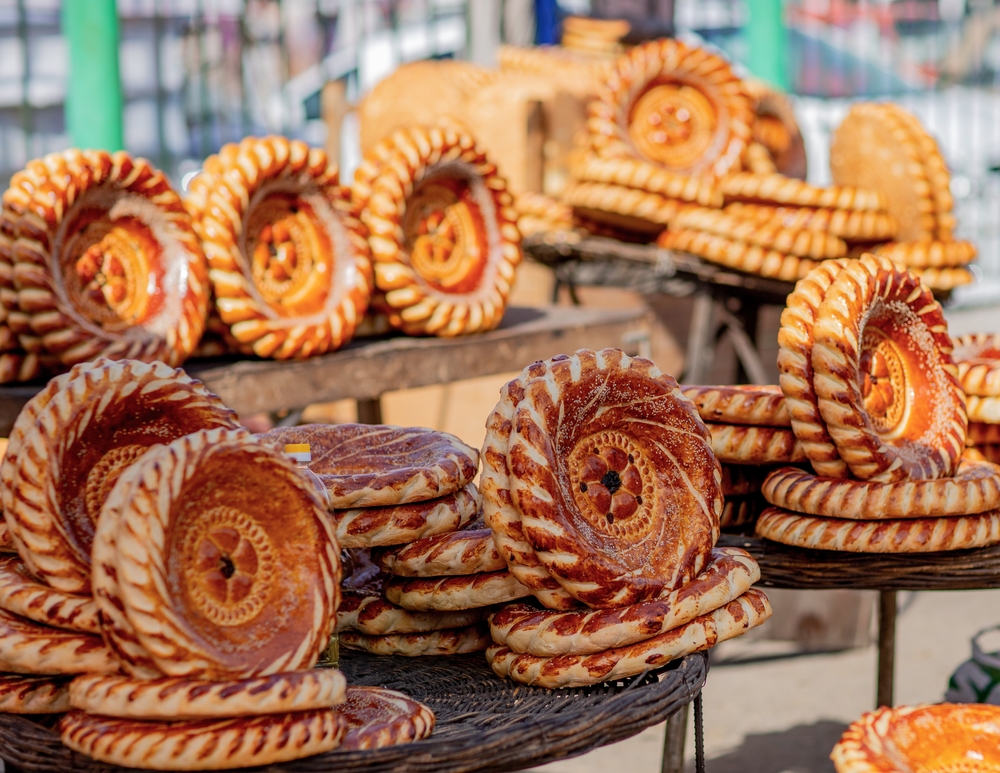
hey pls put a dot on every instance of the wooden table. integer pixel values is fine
(366, 369)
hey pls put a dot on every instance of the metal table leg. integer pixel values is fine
(886, 647)
(673, 742)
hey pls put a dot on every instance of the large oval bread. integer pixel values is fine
(220, 560)
(596, 471)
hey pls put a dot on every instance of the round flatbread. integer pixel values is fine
(910, 739)
(975, 488)
(377, 718)
(443, 231)
(370, 465)
(446, 594)
(757, 406)
(368, 527)
(738, 444)
(851, 225)
(23, 595)
(107, 263)
(525, 628)
(218, 560)
(34, 694)
(679, 107)
(457, 553)
(596, 472)
(936, 254)
(203, 744)
(454, 641)
(885, 382)
(911, 535)
(735, 254)
(732, 620)
(795, 342)
(377, 616)
(29, 648)
(88, 433)
(178, 699)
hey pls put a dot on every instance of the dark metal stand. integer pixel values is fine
(886, 647)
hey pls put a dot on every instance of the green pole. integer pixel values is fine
(94, 94)
(767, 42)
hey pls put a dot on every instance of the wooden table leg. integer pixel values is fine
(699, 338)
(370, 411)
(886, 647)
(673, 742)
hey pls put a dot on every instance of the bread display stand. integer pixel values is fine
(368, 368)
(484, 724)
(783, 566)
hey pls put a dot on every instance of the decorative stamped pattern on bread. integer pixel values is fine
(936, 254)
(289, 258)
(849, 224)
(106, 261)
(524, 628)
(191, 546)
(454, 641)
(179, 698)
(975, 488)
(34, 694)
(758, 406)
(735, 254)
(910, 535)
(448, 594)
(673, 105)
(377, 616)
(739, 444)
(203, 744)
(886, 385)
(23, 595)
(456, 553)
(653, 208)
(366, 527)
(795, 370)
(596, 473)
(648, 177)
(443, 231)
(90, 431)
(772, 235)
(377, 717)
(778, 189)
(29, 648)
(727, 622)
(370, 465)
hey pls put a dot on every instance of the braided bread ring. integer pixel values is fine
(179, 699)
(795, 342)
(651, 210)
(732, 620)
(457, 553)
(377, 718)
(106, 261)
(29, 648)
(983, 410)
(203, 744)
(928, 254)
(944, 279)
(910, 535)
(757, 406)
(648, 177)
(455, 641)
(22, 595)
(33, 694)
(974, 489)
(450, 594)
(737, 444)
(978, 360)
(647, 82)
(221, 562)
(750, 258)
(443, 232)
(101, 421)
(376, 616)
(778, 189)
(801, 243)
(849, 224)
(757, 160)
(523, 628)
(877, 322)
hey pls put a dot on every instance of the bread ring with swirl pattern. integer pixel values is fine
(736, 254)
(106, 261)
(778, 189)
(757, 406)
(648, 177)
(799, 242)
(738, 444)
(849, 224)
(974, 489)
(936, 254)
(886, 385)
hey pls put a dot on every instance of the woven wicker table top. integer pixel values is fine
(783, 566)
(484, 723)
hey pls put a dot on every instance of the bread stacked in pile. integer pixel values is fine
(404, 498)
(978, 359)
(603, 497)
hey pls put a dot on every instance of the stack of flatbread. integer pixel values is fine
(877, 407)
(538, 213)
(885, 148)
(978, 359)
(403, 499)
(603, 497)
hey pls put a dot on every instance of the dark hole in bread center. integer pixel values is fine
(612, 481)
